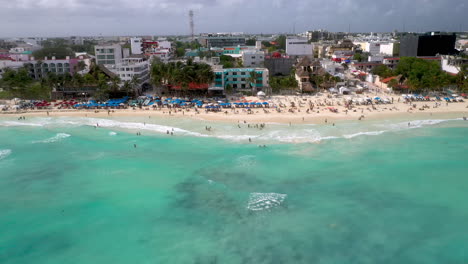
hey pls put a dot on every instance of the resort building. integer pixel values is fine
(132, 66)
(108, 54)
(39, 68)
(241, 79)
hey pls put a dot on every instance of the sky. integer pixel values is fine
(52, 18)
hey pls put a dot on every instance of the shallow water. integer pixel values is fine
(371, 192)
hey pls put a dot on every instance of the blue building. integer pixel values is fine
(240, 79)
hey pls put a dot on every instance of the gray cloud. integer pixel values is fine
(158, 17)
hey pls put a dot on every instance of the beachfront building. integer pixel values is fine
(304, 69)
(299, 47)
(241, 79)
(132, 66)
(39, 68)
(108, 54)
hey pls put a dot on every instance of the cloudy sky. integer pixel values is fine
(162, 17)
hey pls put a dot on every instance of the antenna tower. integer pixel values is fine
(192, 25)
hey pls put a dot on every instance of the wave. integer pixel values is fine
(4, 153)
(275, 133)
(55, 138)
(265, 201)
(15, 123)
(112, 133)
(370, 133)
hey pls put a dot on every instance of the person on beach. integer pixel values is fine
(47, 113)
(167, 132)
(250, 140)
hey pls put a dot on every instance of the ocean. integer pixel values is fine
(89, 190)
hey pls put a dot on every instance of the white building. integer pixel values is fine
(452, 64)
(372, 47)
(129, 67)
(165, 44)
(108, 54)
(136, 46)
(299, 47)
(390, 49)
(253, 58)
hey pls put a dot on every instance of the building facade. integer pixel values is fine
(299, 47)
(136, 46)
(240, 79)
(108, 54)
(222, 41)
(253, 58)
(40, 68)
(127, 68)
(430, 44)
(390, 49)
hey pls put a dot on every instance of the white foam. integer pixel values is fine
(15, 123)
(265, 201)
(4, 153)
(55, 138)
(112, 133)
(370, 133)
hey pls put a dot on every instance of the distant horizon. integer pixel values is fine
(244, 34)
(58, 18)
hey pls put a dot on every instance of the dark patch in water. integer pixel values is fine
(37, 247)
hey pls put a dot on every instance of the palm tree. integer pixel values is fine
(127, 87)
(114, 83)
(135, 84)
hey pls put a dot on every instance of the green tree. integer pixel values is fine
(382, 71)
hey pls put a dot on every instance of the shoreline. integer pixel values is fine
(458, 109)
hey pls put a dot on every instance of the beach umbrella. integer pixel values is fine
(265, 103)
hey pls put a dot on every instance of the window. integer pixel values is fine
(243, 79)
(253, 57)
(110, 51)
(243, 85)
(110, 57)
(234, 73)
(235, 79)
(234, 86)
(253, 62)
(101, 57)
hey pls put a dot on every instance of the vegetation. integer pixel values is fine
(251, 42)
(361, 57)
(421, 74)
(180, 74)
(283, 83)
(182, 46)
(18, 83)
(227, 61)
(383, 71)
(60, 48)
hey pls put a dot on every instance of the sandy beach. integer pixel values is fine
(294, 109)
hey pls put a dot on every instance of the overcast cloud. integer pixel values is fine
(163, 17)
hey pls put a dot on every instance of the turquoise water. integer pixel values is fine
(374, 192)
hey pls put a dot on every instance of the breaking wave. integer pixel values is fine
(265, 201)
(4, 153)
(55, 138)
(280, 134)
